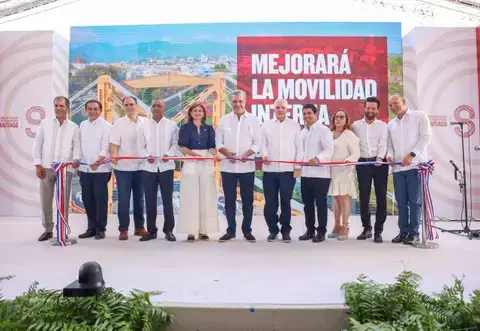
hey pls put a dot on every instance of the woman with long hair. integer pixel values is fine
(342, 187)
(198, 192)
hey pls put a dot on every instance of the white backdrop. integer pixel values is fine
(441, 78)
(33, 69)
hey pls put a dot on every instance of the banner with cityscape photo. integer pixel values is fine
(332, 65)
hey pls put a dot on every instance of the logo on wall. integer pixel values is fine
(34, 116)
(438, 121)
(9, 122)
(465, 114)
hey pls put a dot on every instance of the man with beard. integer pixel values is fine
(409, 135)
(373, 134)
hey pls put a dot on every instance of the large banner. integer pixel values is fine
(332, 65)
(442, 79)
(33, 69)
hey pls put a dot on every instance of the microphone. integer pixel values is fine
(457, 123)
(454, 165)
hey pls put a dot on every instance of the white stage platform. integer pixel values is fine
(237, 272)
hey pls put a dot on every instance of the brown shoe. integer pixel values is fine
(140, 232)
(123, 235)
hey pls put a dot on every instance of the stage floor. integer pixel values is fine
(235, 272)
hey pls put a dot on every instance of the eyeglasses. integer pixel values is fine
(341, 117)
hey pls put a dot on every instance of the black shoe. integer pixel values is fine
(45, 236)
(249, 237)
(100, 235)
(191, 238)
(400, 238)
(226, 237)
(307, 236)
(202, 236)
(366, 234)
(169, 236)
(286, 237)
(272, 237)
(377, 238)
(319, 238)
(149, 236)
(411, 239)
(88, 234)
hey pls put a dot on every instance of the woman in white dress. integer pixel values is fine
(342, 186)
(198, 191)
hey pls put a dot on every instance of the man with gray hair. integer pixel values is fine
(57, 140)
(281, 141)
(238, 136)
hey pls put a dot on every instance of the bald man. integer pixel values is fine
(409, 135)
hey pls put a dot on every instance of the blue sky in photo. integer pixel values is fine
(113, 43)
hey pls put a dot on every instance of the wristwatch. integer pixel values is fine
(412, 154)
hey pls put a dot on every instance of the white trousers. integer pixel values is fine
(198, 198)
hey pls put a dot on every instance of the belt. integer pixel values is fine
(367, 159)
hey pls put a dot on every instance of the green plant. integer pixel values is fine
(48, 310)
(401, 306)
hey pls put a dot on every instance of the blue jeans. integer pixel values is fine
(407, 193)
(129, 182)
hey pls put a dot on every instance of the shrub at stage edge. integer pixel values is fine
(401, 306)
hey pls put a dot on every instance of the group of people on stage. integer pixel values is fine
(236, 140)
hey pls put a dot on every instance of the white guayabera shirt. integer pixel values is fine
(56, 143)
(158, 139)
(94, 139)
(238, 136)
(317, 142)
(124, 134)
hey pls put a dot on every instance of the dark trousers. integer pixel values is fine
(314, 192)
(273, 184)
(229, 183)
(151, 181)
(407, 189)
(129, 182)
(95, 198)
(379, 175)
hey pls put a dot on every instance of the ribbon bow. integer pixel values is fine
(63, 229)
(425, 171)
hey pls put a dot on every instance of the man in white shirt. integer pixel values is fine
(281, 141)
(158, 137)
(94, 177)
(409, 135)
(57, 140)
(373, 136)
(123, 142)
(238, 136)
(315, 181)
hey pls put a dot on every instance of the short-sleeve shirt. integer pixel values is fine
(191, 138)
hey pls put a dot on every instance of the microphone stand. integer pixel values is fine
(463, 189)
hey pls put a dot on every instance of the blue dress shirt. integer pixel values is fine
(190, 137)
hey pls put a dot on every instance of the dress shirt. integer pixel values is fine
(412, 133)
(373, 138)
(191, 138)
(158, 139)
(281, 141)
(94, 136)
(124, 134)
(238, 136)
(56, 143)
(317, 142)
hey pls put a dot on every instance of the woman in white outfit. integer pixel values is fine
(198, 192)
(342, 187)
